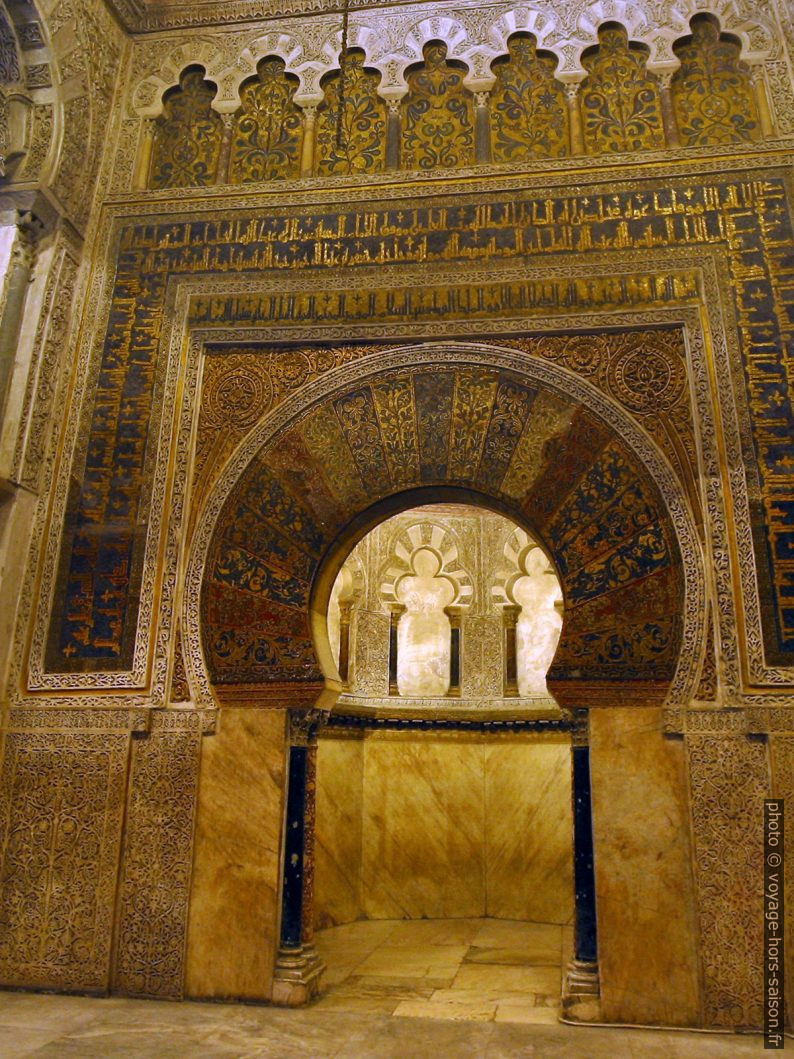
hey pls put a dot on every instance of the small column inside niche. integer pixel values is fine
(145, 147)
(393, 134)
(758, 81)
(482, 128)
(510, 613)
(671, 134)
(575, 118)
(455, 675)
(396, 610)
(307, 144)
(226, 148)
(345, 614)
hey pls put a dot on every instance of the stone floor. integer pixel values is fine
(450, 989)
(480, 970)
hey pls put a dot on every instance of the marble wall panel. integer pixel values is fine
(340, 780)
(528, 829)
(452, 825)
(424, 818)
(234, 901)
(647, 922)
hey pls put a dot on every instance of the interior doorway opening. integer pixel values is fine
(443, 876)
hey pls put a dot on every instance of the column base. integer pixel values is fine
(581, 993)
(297, 977)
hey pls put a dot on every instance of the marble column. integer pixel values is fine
(581, 989)
(510, 613)
(20, 273)
(299, 969)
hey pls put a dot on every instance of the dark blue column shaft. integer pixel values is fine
(292, 892)
(585, 931)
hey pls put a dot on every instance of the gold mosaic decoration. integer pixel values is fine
(712, 94)
(267, 130)
(621, 107)
(187, 140)
(438, 125)
(362, 145)
(529, 113)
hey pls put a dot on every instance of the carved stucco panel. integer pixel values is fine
(61, 808)
(157, 863)
(729, 778)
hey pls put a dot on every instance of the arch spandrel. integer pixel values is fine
(295, 507)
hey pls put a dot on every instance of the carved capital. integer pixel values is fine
(580, 727)
(304, 725)
(29, 231)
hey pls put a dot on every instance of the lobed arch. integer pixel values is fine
(313, 51)
(442, 541)
(285, 453)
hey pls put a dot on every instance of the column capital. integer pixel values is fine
(29, 230)
(305, 725)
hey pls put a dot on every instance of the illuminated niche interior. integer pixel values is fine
(433, 602)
